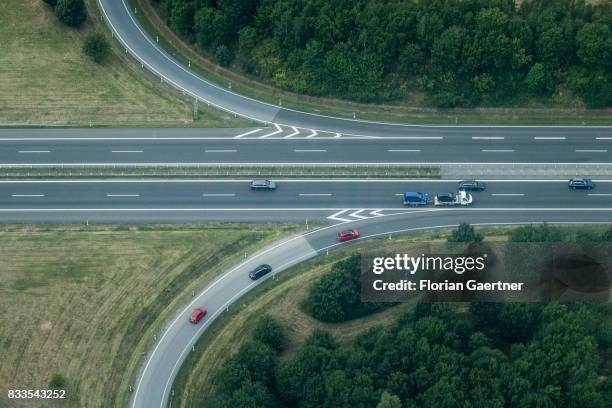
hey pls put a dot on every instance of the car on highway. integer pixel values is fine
(451, 199)
(472, 185)
(347, 235)
(260, 271)
(414, 198)
(197, 315)
(580, 183)
(263, 185)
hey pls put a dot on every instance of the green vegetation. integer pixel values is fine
(45, 79)
(456, 53)
(465, 233)
(81, 304)
(96, 47)
(71, 12)
(208, 171)
(432, 356)
(337, 296)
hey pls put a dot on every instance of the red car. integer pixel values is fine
(197, 315)
(348, 235)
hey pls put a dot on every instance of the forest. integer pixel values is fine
(458, 53)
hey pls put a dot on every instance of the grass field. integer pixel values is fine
(566, 112)
(84, 301)
(46, 80)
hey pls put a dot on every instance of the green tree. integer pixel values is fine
(52, 3)
(539, 81)
(269, 332)
(594, 45)
(465, 233)
(96, 47)
(182, 18)
(223, 55)
(71, 12)
(211, 27)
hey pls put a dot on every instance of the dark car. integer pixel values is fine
(472, 185)
(580, 183)
(445, 199)
(268, 185)
(260, 271)
(347, 235)
(197, 315)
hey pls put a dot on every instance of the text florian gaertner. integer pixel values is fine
(458, 265)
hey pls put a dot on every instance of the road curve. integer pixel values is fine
(132, 36)
(154, 382)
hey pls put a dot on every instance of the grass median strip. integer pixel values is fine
(293, 171)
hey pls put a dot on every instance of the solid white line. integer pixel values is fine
(123, 195)
(309, 150)
(549, 138)
(291, 164)
(591, 151)
(300, 180)
(315, 194)
(600, 195)
(221, 151)
(127, 151)
(488, 137)
(219, 195)
(34, 151)
(402, 210)
(403, 150)
(247, 133)
(497, 151)
(508, 195)
(278, 130)
(295, 132)
(27, 195)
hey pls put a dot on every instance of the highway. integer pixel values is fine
(294, 200)
(205, 146)
(291, 137)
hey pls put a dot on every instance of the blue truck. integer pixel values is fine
(413, 198)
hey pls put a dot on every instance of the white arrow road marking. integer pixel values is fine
(295, 132)
(356, 215)
(336, 216)
(247, 133)
(376, 213)
(278, 130)
(338, 135)
(313, 134)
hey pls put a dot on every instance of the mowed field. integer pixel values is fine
(46, 80)
(84, 302)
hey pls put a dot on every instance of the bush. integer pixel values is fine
(71, 12)
(96, 47)
(465, 233)
(52, 3)
(269, 332)
(223, 55)
(57, 381)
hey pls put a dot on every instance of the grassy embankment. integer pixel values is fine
(283, 298)
(85, 302)
(45, 79)
(410, 111)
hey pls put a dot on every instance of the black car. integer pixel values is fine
(580, 183)
(263, 185)
(472, 185)
(444, 199)
(260, 271)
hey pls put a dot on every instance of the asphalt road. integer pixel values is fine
(195, 146)
(221, 200)
(147, 51)
(154, 384)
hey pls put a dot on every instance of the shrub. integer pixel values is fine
(223, 55)
(96, 47)
(269, 332)
(57, 381)
(71, 12)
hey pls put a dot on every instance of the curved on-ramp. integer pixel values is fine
(137, 42)
(154, 381)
